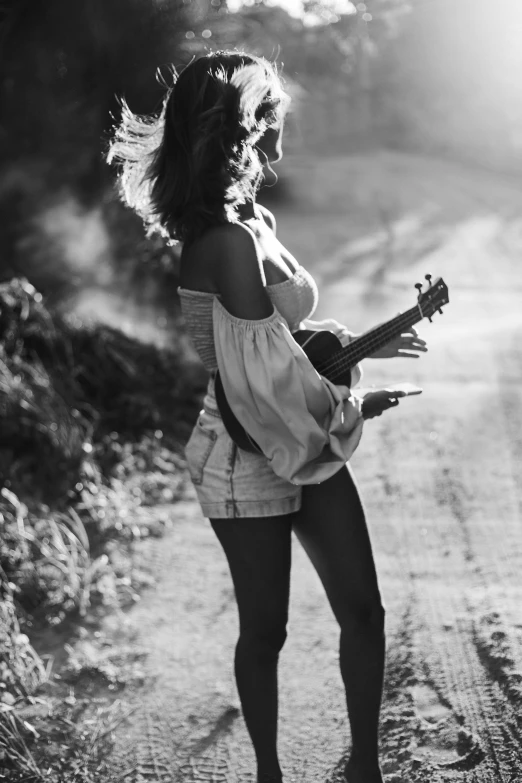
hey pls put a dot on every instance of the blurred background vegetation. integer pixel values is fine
(99, 386)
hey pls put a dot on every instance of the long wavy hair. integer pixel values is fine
(191, 165)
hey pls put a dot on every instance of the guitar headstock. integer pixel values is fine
(434, 298)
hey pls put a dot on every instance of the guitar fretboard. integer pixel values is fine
(368, 343)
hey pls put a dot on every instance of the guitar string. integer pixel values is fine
(371, 341)
(373, 337)
(379, 337)
(374, 342)
(338, 368)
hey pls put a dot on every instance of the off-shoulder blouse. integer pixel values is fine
(306, 426)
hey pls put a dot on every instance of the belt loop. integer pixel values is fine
(231, 464)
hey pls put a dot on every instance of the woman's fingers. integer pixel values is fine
(411, 340)
(411, 343)
(375, 403)
(412, 330)
(413, 335)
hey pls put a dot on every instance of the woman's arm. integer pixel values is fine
(406, 345)
(331, 325)
(240, 275)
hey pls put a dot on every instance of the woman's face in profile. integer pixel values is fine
(271, 143)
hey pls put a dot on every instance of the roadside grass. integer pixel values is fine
(92, 425)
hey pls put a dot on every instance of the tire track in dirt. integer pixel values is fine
(486, 734)
(438, 737)
(462, 512)
(455, 668)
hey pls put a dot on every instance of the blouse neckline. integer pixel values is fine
(271, 285)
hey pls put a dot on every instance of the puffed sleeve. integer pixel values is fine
(306, 426)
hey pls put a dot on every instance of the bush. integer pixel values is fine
(65, 386)
(92, 425)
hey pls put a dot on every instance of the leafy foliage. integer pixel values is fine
(64, 386)
(92, 424)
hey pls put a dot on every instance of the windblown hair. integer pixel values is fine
(189, 166)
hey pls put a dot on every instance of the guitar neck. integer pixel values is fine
(368, 343)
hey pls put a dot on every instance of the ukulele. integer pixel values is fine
(335, 362)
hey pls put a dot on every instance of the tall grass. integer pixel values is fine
(91, 431)
(21, 672)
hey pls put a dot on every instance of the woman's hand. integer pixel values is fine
(375, 402)
(408, 345)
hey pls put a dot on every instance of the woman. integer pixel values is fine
(192, 174)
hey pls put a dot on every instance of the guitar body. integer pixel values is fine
(319, 346)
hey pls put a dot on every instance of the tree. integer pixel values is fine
(63, 66)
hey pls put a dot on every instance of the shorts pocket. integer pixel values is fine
(197, 451)
(249, 461)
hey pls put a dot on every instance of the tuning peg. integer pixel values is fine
(429, 319)
(418, 286)
(428, 278)
(440, 311)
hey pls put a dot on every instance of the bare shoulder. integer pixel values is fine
(240, 276)
(218, 250)
(268, 217)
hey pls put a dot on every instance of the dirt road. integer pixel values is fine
(441, 479)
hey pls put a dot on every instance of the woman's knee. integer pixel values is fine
(369, 614)
(265, 642)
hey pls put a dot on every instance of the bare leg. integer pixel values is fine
(332, 529)
(258, 551)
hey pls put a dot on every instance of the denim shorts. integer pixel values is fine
(229, 481)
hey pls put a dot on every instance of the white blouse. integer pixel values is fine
(305, 425)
